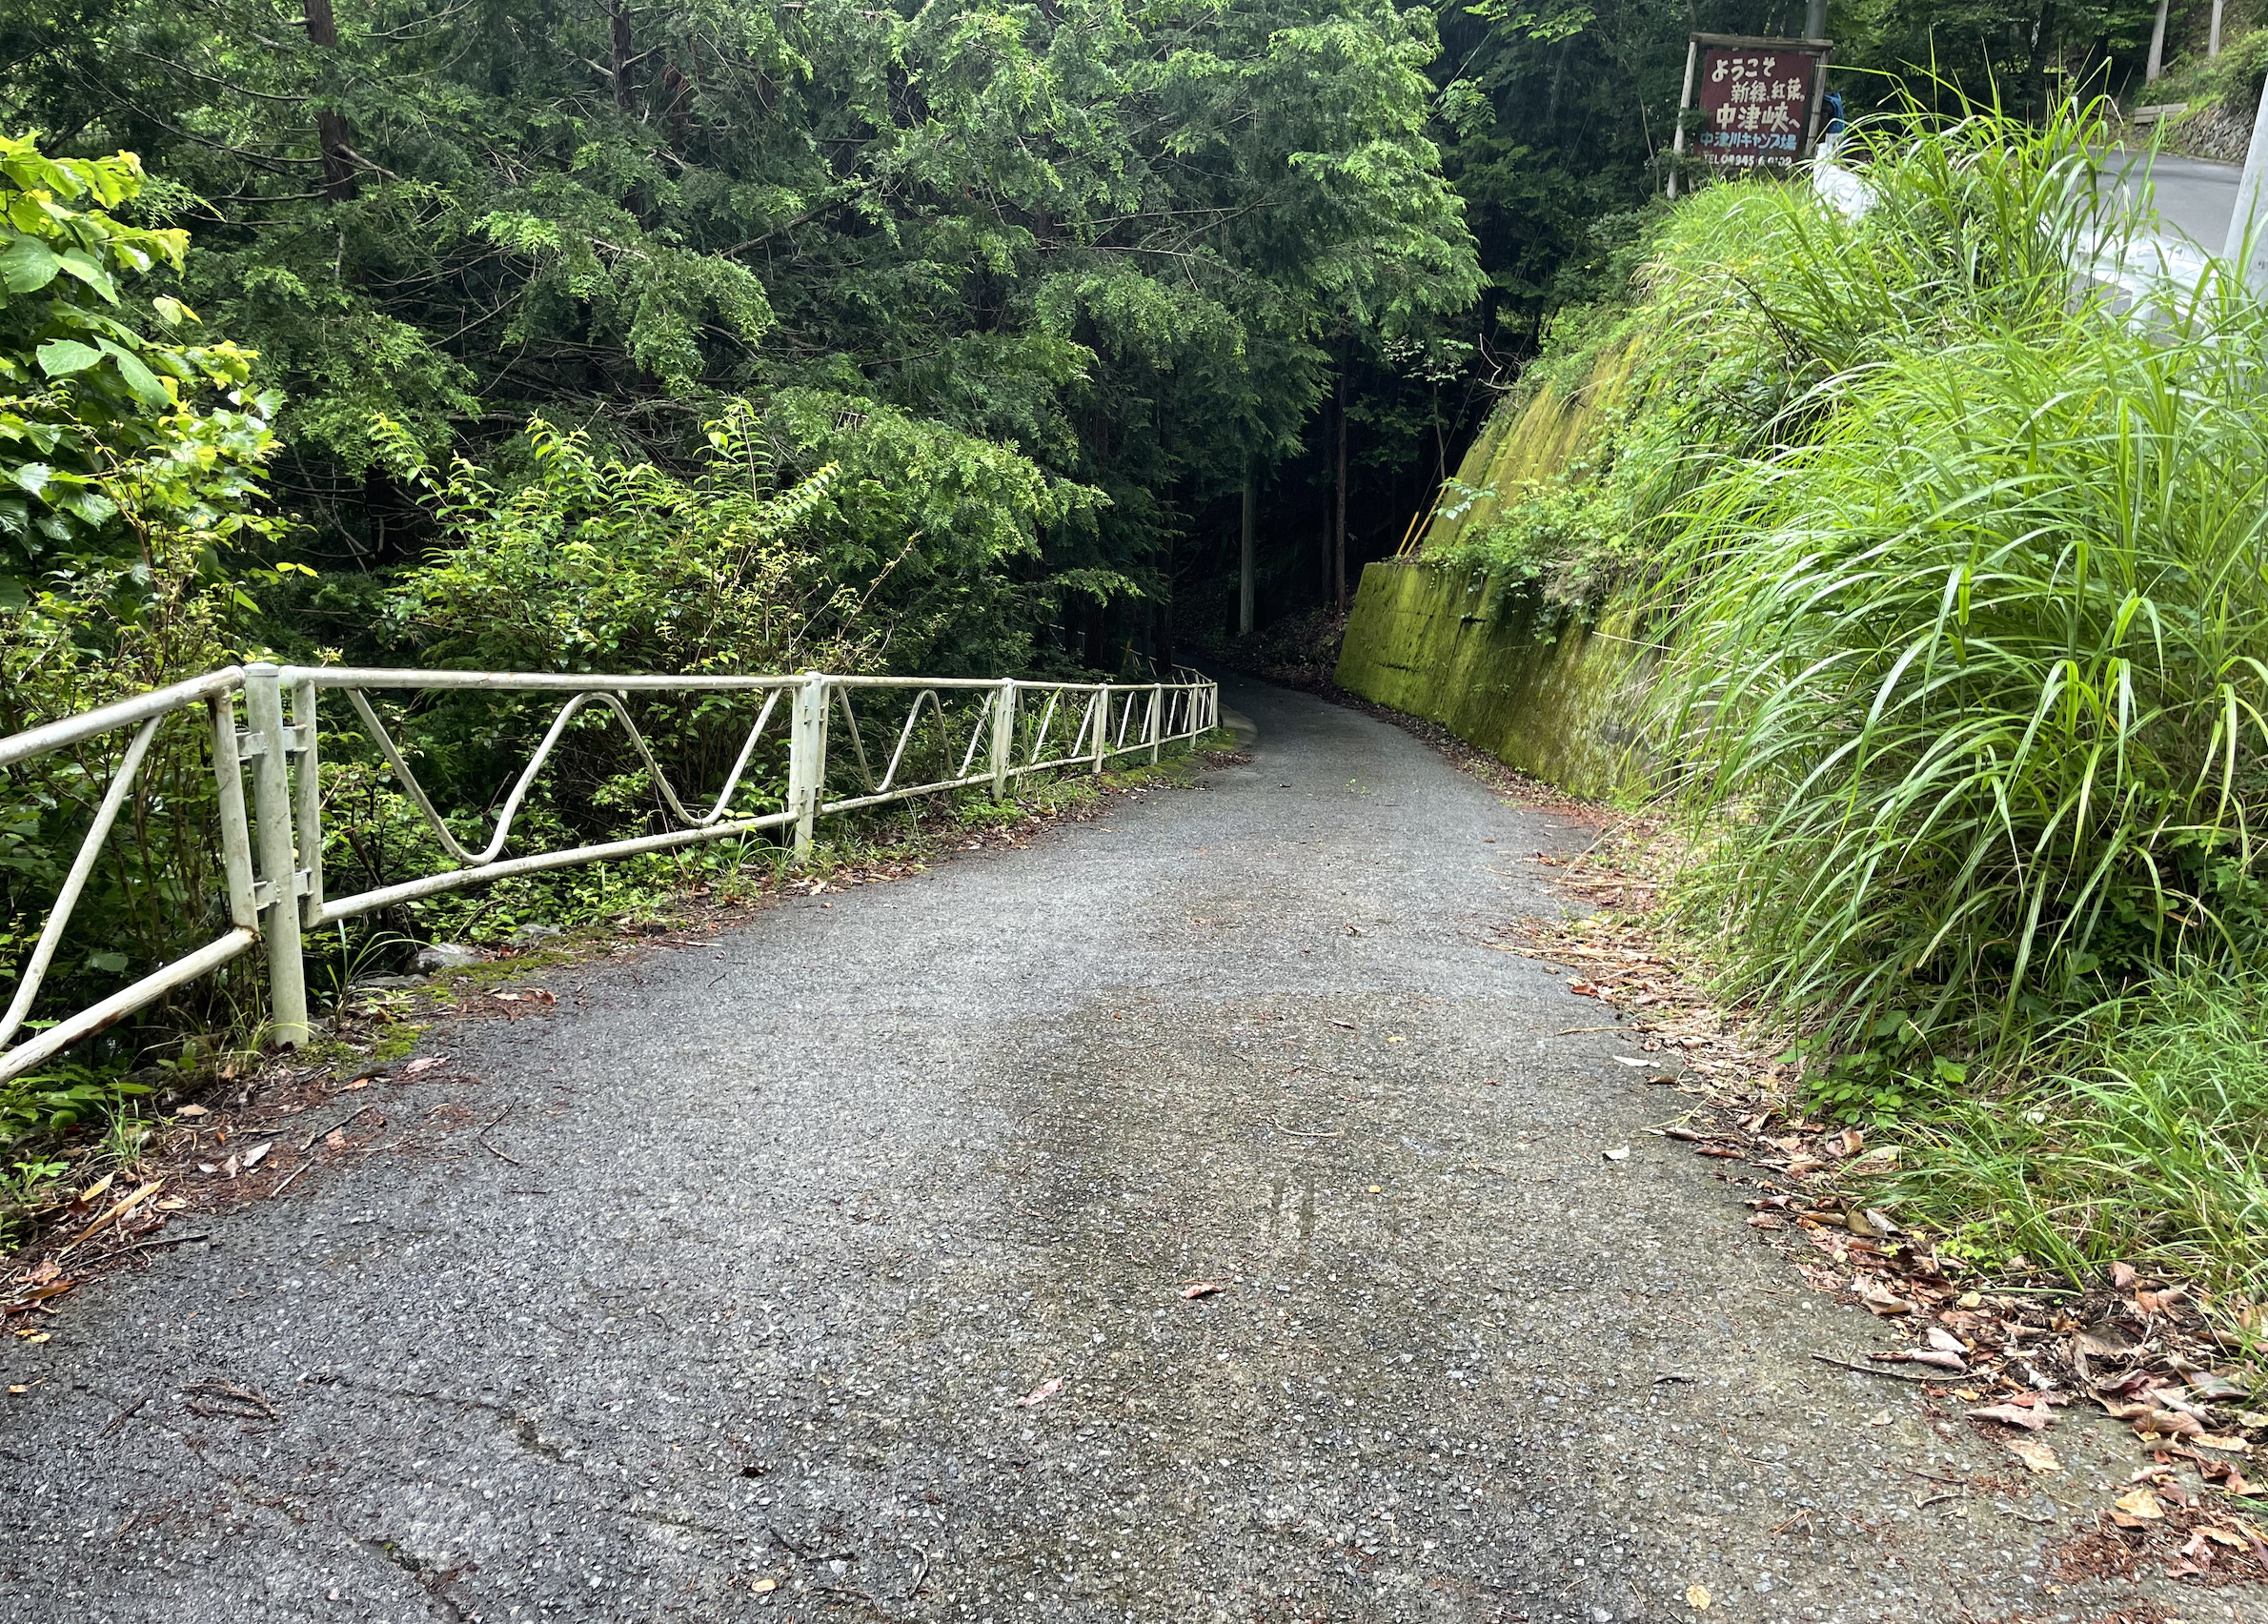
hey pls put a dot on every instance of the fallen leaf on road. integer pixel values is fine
(124, 1206)
(1203, 1288)
(762, 1584)
(1697, 1598)
(1584, 989)
(2107, 1340)
(1882, 1300)
(1621, 1153)
(2168, 1424)
(192, 1112)
(26, 1298)
(1945, 1341)
(2231, 1480)
(257, 1154)
(1881, 1418)
(426, 1065)
(2022, 1415)
(2035, 1455)
(1638, 1061)
(1042, 1393)
(336, 1139)
(2122, 1275)
(2140, 1504)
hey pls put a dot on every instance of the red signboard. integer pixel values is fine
(1755, 104)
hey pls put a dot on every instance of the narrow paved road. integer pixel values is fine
(2193, 197)
(802, 1214)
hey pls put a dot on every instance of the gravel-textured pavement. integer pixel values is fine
(800, 1216)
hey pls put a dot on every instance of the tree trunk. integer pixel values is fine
(1096, 634)
(618, 21)
(1244, 567)
(1339, 527)
(330, 126)
(2157, 46)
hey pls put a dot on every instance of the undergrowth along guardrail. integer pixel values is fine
(979, 731)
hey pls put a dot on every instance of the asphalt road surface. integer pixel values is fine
(793, 1221)
(2193, 198)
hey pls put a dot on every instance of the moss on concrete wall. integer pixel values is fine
(1548, 691)
(1527, 440)
(1536, 687)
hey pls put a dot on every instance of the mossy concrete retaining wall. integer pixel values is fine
(1527, 441)
(1551, 693)
(1534, 685)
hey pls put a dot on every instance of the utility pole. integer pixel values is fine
(2157, 46)
(2213, 41)
(1814, 19)
(1339, 530)
(1244, 574)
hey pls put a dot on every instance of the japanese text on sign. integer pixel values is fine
(1755, 106)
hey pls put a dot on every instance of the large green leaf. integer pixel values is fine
(62, 358)
(27, 264)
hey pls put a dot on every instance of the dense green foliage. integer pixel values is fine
(1140, 248)
(129, 526)
(1120, 246)
(1969, 648)
(1957, 565)
(2145, 1137)
(1959, 575)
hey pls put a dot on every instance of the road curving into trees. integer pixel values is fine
(854, 1264)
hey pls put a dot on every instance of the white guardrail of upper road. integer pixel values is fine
(272, 866)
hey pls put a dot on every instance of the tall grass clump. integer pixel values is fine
(2147, 1143)
(1967, 678)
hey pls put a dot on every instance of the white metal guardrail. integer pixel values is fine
(272, 860)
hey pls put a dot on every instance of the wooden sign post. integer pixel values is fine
(1758, 100)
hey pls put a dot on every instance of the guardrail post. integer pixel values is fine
(307, 819)
(807, 757)
(1102, 726)
(1157, 720)
(1003, 736)
(279, 893)
(236, 830)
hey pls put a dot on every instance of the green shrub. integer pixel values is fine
(1967, 681)
(132, 524)
(2147, 1142)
